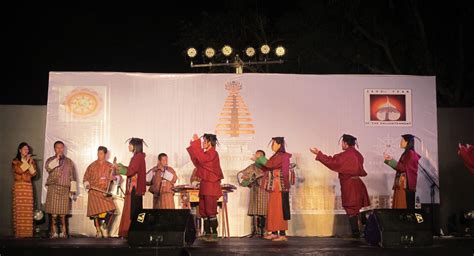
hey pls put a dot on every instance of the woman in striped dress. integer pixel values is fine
(24, 168)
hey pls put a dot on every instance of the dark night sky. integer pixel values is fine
(133, 38)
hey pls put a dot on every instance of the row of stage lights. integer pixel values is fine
(227, 51)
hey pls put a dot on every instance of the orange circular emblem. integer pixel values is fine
(83, 103)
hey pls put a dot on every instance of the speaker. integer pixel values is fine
(398, 228)
(162, 227)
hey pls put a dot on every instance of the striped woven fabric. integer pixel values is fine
(57, 200)
(23, 209)
(258, 202)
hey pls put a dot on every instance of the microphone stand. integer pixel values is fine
(433, 185)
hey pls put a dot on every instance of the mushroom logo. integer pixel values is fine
(388, 112)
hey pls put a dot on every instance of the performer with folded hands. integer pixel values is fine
(206, 160)
(24, 169)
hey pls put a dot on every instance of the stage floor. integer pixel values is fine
(229, 246)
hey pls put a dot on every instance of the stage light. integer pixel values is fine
(191, 52)
(250, 52)
(280, 51)
(209, 52)
(212, 57)
(226, 50)
(265, 49)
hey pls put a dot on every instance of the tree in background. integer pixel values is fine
(351, 37)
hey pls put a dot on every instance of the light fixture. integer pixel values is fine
(209, 52)
(191, 52)
(265, 49)
(250, 52)
(227, 56)
(280, 51)
(226, 50)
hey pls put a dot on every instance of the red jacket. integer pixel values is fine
(467, 155)
(408, 164)
(137, 166)
(279, 161)
(350, 166)
(208, 169)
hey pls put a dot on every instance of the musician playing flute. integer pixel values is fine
(100, 205)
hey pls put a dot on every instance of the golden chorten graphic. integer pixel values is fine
(235, 116)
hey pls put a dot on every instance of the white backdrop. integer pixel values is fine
(88, 109)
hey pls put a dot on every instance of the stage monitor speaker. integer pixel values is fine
(398, 228)
(162, 227)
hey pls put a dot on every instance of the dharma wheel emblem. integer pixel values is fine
(83, 103)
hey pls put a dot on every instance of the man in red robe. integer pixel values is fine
(467, 154)
(208, 169)
(350, 166)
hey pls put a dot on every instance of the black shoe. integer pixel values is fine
(354, 222)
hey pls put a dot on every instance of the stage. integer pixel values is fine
(229, 246)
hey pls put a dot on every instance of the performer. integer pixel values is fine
(404, 187)
(100, 206)
(467, 154)
(208, 169)
(277, 182)
(62, 186)
(258, 203)
(350, 166)
(24, 169)
(136, 184)
(162, 183)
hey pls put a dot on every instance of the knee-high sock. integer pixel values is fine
(207, 227)
(213, 224)
(63, 224)
(354, 222)
(54, 224)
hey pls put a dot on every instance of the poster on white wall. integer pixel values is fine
(387, 107)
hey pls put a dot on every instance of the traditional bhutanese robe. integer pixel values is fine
(61, 180)
(22, 196)
(136, 186)
(163, 195)
(406, 177)
(99, 176)
(467, 155)
(258, 203)
(258, 197)
(277, 182)
(350, 166)
(208, 169)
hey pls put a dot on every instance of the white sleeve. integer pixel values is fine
(53, 163)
